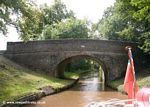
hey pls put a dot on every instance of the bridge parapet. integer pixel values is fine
(68, 45)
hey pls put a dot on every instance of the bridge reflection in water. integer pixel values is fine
(87, 90)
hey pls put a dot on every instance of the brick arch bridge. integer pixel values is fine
(50, 56)
(61, 66)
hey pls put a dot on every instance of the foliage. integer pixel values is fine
(93, 31)
(142, 16)
(116, 21)
(46, 22)
(31, 27)
(71, 75)
(60, 23)
(142, 77)
(55, 13)
(127, 20)
(80, 64)
(69, 28)
(10, 8)
(52, 22)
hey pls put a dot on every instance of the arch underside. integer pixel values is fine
(61, 66)
(113, 65)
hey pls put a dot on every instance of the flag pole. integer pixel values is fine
(128, 48)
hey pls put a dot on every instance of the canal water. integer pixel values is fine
(89, 89)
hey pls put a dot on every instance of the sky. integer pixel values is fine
(89, 9)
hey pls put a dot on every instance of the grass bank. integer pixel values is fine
(142, 78)
(17, 81)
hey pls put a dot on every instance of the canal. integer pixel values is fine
(88, 89)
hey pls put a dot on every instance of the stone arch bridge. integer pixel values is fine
(51, 56)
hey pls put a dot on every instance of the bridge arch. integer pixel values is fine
(47, 55)
(63, 63)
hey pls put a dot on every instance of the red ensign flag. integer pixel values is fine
(130, 85)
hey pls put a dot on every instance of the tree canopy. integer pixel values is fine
(55, 13)
(52, 22)
(69, 28)
(127, 20)
(10, 8)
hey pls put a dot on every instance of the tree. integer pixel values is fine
(8, 8)
(56, 13)
(60, 23)
(69, 28)
(31, 27)
(93, 31)
(109, 24)
(42, 21)
(142, 16)
(115, 20)
(127, 20)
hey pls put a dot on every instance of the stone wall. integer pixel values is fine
(50, 56)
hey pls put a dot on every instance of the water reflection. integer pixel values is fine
(87, 90)
(89, 82)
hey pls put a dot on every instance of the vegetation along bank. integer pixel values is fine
(20, 84)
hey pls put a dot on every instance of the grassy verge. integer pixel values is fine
(143, 80)
(76, 74)
(71, 75)
(16, 81)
